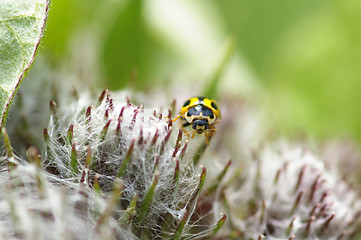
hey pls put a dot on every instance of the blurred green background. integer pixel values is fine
(299, 59)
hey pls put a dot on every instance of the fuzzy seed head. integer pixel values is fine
(289, 192)
(118, 140)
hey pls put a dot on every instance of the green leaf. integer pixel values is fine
(22, 24)
(123, 47)
(211, 90)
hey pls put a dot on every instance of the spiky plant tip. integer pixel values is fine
(34, 156)
(11, 160)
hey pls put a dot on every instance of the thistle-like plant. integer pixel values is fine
(115, 170)
(289, 193)
(37, 205)
(120, 142)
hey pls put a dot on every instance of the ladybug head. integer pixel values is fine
(200, 125)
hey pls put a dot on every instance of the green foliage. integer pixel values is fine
(124, 44)
(212, 89)
(129, 50)
(319, 66)
(21, 25)
(65, 19)
(260, 25)
(303, 55)
(306, 56)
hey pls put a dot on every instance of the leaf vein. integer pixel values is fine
(16, 18)
(21, 44)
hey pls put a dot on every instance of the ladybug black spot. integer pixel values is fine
(214, 105)
(187, 103)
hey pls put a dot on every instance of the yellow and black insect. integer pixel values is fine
(201, 113)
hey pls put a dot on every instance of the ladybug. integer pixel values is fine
(201, 113)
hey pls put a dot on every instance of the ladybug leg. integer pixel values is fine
(208, 136)
(176, 118)
(194, 132)
(209, 133)
(185, 132)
